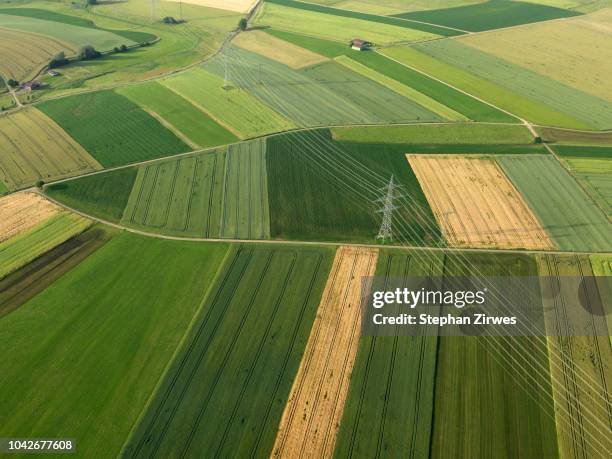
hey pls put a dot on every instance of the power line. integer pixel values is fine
(386, 233)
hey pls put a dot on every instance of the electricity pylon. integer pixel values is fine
(390, 194)
(226, 65)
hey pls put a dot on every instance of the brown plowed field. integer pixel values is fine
(312, 415)
(476, 205)
(22, 211)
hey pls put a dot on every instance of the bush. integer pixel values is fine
(538, 139)
(58, 60)
(243, 24)
(40, 184)
(123, 48)
(12, 83)
(89, 52)
(170, 20)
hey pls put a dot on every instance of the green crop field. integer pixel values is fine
(455, 100)
(475, 134)
(493, 14)
(318, 45)
(238, 365)
(180, 197)
(565, 211)
(482, 383)
(347, 13)
(234, 108)
(389, 407)
(318, 192)
(320, 95)
(35, 148)
(101, 195)
(245, 213)
(334, 27)
(183, 116)
(569, 137)
(113, 129)
(586, 108)
(76, 35)
(592, 167)
(480, 87)
(111, 325)
(25, 247)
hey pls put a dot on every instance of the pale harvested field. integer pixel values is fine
(276, 49)
(23, 54)
(22, 211)
(576, 51)
(240, 6)
(34, 147)
(312, 415)
(475, 204)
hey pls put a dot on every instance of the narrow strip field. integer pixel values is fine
(181, 197)
(566, 212)
(93, 345)
(581, 366)
(239, 6)
(34, 147)
(113, 129)
(314, 409)
(239, 360)
(389, 408)
(476, 205)
(246, 213)
(22, 211)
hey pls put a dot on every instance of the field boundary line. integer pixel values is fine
(164, 122)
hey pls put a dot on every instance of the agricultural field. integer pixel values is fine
(577, 52)
(493, 14)
(315, 405)
(490, 91)
(565, 211)
(323, 190)
(233, 108)
(592, 167)
(475, 204)
(590, 110)
(320, 95)
(179, 115)
(389, 407)
(569, 137)
(22, 211)
(335, 27)
(29, 244)
(102, 195)
(240, 359)
(240, 6)
(35, 148)
(326, 48)
(392, 6)
(22, 54)
(580, 365)
(282, 51)
(113, 129)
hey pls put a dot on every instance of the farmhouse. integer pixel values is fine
(360, 45)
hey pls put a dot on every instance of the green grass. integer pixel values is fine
(3, 188)
(389, 407)
(86, 354)
(489, 15)
(565, 211)
(25, 247)
(114, 130)
(245, 213)
(546, 92)
(181, 197)
(493, 396)
(240, 360)
(323, 190)
(318, 45)
(334, 27)
(102, 40)
(476, 134)
(54, 16)
(235, 109)
(592, 167)
(368, 17)
(320, 95)
(102, 195)
(191, 122)
(456, 100)
(480, 87)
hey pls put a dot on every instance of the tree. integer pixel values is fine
(89, 52)
(123, 48)
(538, 139)
(13, 83)
(58, 60)
(40, 184)
(243, 24)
